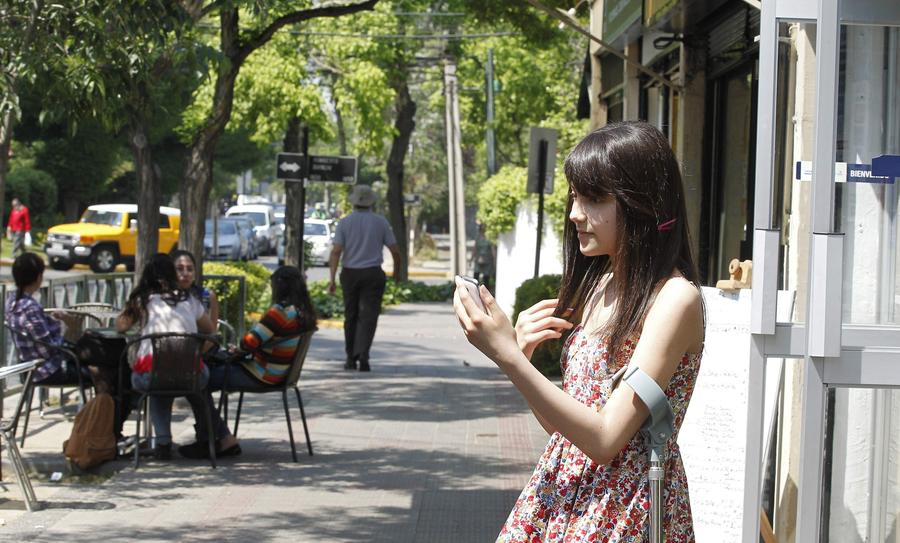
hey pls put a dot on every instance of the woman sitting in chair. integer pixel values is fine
(186, 272)
(25, 314)
(265, 356)
(157, 305)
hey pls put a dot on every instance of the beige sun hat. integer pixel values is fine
(362, 196)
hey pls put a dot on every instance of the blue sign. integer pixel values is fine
(862, 173)
(886, 166)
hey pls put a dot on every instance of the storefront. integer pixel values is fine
(825, 228)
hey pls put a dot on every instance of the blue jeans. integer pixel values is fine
(237, 378)
(161, 406)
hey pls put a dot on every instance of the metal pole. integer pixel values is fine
(542, 179)
(656, 501)
(304, 148)
(454, 170)
(489, 83)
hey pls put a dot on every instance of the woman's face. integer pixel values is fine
(184, 271)
(595, 221)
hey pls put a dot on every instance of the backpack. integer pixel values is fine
(92, 440)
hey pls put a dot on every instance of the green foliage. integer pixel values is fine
(256, 277)
(546, 355)
(332, 307)
(37, 190)
(498, 199)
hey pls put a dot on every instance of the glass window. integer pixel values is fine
(868, 118)
(314, 229)
(861, 489)
(258, 218)
(110, 218)
(225, 228)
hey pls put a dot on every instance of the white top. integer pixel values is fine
(163, 317)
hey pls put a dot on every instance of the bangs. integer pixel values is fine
(589, 170)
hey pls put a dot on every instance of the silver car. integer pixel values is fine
(230, 244)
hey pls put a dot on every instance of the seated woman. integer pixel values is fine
(186, 272)
(157, 305)
(25, 314)
(266, 353)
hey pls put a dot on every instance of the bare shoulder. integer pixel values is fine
(679, 295)
(678, 310)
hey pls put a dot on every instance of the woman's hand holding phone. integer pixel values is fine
(485, 325)
(537, 324)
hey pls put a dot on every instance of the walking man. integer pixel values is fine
(19, 224)
(360, 238)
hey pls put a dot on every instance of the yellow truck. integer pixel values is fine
(106, 236)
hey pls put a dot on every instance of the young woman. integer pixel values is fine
(25, 314)
(265, 356)
(186, 272)
(631, 285)
(157, 305)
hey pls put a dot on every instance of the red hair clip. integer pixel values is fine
(666, 226)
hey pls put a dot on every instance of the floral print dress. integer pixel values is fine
(571, 498)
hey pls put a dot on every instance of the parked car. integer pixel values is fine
(106, 236)
(230, 245)
(318, 233)
(263, 217)
(254, 243)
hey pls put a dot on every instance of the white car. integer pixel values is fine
(263, 218)
(319, 234)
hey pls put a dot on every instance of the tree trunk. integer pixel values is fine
(405, 123)
(6, 129)
(148, 196)
(198, 171)
(293, 192)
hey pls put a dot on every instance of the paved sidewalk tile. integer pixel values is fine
(433, 445)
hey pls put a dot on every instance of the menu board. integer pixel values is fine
(713, 436)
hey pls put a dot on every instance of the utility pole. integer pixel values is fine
(454, 171)
(489, 83)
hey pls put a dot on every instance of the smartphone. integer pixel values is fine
(472, 286)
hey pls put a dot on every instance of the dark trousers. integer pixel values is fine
(363, 289)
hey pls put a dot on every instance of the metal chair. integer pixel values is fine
(30, 385)
(176, 371)
(227, 334)
(104, 313)
(290, 381)
(8, 431)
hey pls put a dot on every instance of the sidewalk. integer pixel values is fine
(433, 445)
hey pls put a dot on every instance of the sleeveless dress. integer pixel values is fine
(570, 498)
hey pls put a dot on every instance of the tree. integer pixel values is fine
(236, 45)
(24, 45)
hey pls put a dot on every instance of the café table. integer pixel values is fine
(8, 432)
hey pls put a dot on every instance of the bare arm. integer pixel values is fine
(395, 255)
(333, 260)
(672, 327)
(213, 308)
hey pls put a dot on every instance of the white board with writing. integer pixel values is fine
(713, 436)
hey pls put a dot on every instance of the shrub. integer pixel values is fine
(332, 307)
(37, 190)
(256, 278)
(530, 292)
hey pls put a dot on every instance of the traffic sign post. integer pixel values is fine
(541, 167)
(339, 169)
(291, 167)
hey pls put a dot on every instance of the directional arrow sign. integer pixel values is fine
(290, 166)
(341, 169)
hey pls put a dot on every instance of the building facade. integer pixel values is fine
(785, 116)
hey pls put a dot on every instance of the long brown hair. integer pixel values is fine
(633, 163)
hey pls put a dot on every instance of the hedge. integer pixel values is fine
(546, 356)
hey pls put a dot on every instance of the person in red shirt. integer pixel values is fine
(19, 224)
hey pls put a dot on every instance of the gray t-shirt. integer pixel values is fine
(362, 234)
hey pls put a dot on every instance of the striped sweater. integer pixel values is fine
(271, 342)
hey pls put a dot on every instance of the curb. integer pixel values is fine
(330, 323)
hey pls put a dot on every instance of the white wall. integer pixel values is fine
(515, 254)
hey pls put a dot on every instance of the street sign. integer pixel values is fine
(886, 165)
(541, 137)
(340, 169)
(845, 173)
(290, 166)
